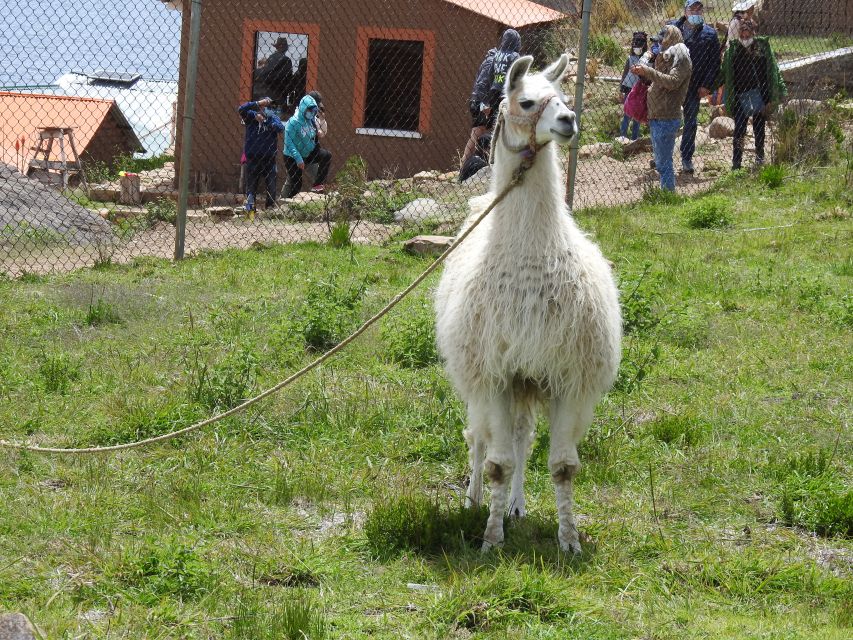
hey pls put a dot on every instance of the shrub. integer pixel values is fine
(709, 213)
(339, 237)
(678, 430)
(58, 371)
(223, 384)
(100, 313)
(410, 339)
(656, 195)
(157, 570)
(299, 617)
(329, 312)
(640, 301)
(772, 175)
(807, 138)
(606, 49)
(162, 209)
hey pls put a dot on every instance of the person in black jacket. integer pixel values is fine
(488, 88)
(704, 47)
(260, 146)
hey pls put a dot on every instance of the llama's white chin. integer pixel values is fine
(561, 137)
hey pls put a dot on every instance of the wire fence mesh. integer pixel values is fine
(93, 92)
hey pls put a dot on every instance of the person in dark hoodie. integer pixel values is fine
(488, 88)
(301, 148)
(704, 47)
(260, 146)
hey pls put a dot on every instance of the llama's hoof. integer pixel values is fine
(518, 512)
(571, 547)
(488, 546)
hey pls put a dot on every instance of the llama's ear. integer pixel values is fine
(517, 71)
(554, 72)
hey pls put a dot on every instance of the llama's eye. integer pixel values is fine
(526, 104)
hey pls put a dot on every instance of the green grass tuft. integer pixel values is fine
(711, 212)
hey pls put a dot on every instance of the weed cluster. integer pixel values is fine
(410, 337)
(298, 617)
(809, 138)
(58, 371)
(329, 312)
(710, 212)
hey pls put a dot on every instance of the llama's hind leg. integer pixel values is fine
(524, 426)
(474, 436)
(569, 422)
(499, 466)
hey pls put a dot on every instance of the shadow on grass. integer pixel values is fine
(445, 531)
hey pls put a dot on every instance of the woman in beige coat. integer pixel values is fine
(670, 78)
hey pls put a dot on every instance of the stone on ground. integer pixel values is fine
(422, 209)
(722, 127)
(427, 245)
(16, 626)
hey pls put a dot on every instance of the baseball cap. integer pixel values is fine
(743, 6)
(690, 3)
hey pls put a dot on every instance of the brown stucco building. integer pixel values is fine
(395, 75)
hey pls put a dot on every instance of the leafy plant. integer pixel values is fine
(299, 617)
(656, 195)
(58, 371)
(340, 235)
(162, 209)
(410, 338)
(222, 384)
(329, 312)
(100, 312)
(772, 175)
(712, 212)
(678, 430)
(808, 138)
(607, 49)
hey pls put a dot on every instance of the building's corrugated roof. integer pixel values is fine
(512, 13)
(25, 113)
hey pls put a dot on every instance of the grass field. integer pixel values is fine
(715, 501)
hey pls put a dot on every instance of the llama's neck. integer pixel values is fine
(540, 197)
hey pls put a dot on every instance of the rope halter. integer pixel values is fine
(529, 150)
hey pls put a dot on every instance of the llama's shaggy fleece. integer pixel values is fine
(527, 311)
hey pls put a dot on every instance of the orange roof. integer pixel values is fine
(22, 114)
(512, 13)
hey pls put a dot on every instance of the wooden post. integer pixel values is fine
(131, 189)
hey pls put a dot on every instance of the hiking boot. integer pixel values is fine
(687, 167)
(250, 203)
(318, 188)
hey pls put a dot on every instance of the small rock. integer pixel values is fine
(423, 176)
(427, 245)
(718, 111)
(595, 149)
(803, 106)
(104, 213)
(220, 213)
(450, 176)
(633, 147)
(308, 196)
(16, 626)
(721, 128)
(421, 209)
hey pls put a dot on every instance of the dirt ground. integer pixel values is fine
(602, 181)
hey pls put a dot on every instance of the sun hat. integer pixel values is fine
(744, 5)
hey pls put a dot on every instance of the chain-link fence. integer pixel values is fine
(97, 98)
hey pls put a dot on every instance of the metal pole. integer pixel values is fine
(573, 151)
(187, 128)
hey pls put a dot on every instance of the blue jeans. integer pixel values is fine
(663, 144)
(635, 128)
(688, 137)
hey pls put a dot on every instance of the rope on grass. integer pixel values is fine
(518, 177)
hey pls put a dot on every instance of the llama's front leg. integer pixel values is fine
(500, 463)
(523, 432)
(569, 423)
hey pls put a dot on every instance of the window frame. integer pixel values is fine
(363, 37)
(247, 59)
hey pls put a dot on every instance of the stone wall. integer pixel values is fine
(819, 76)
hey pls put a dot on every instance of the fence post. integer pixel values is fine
(573, 151)
(187, 128)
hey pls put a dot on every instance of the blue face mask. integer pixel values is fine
(655, 49)
(695, 20)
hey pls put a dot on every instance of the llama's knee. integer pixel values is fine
(499, 472)
(564, 472)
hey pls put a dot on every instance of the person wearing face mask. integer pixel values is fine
(301, 148)
(704, 47)
(670, 78)
(755, 88)
(744, 10)
(639, 46)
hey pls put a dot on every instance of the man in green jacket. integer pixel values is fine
(754, 88)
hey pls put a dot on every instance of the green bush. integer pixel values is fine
(339, 237)
(410, 339)
(329, 312)
(772, 175)
(710, 213)
(58, 371)
(809, 138)
(171, 570)
(223, 384)
(100, 313)
(607, 49)
(299, 617)
(162, 209)
(685, 431)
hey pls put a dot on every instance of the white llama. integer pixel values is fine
(527, 310)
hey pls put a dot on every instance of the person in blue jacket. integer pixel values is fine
(260, 146)
(301, 148)
(704, 47)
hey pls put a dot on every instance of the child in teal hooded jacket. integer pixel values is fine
(301, 148)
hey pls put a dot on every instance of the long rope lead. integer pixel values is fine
(518, 177)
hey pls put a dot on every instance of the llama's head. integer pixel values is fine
(537, 100)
